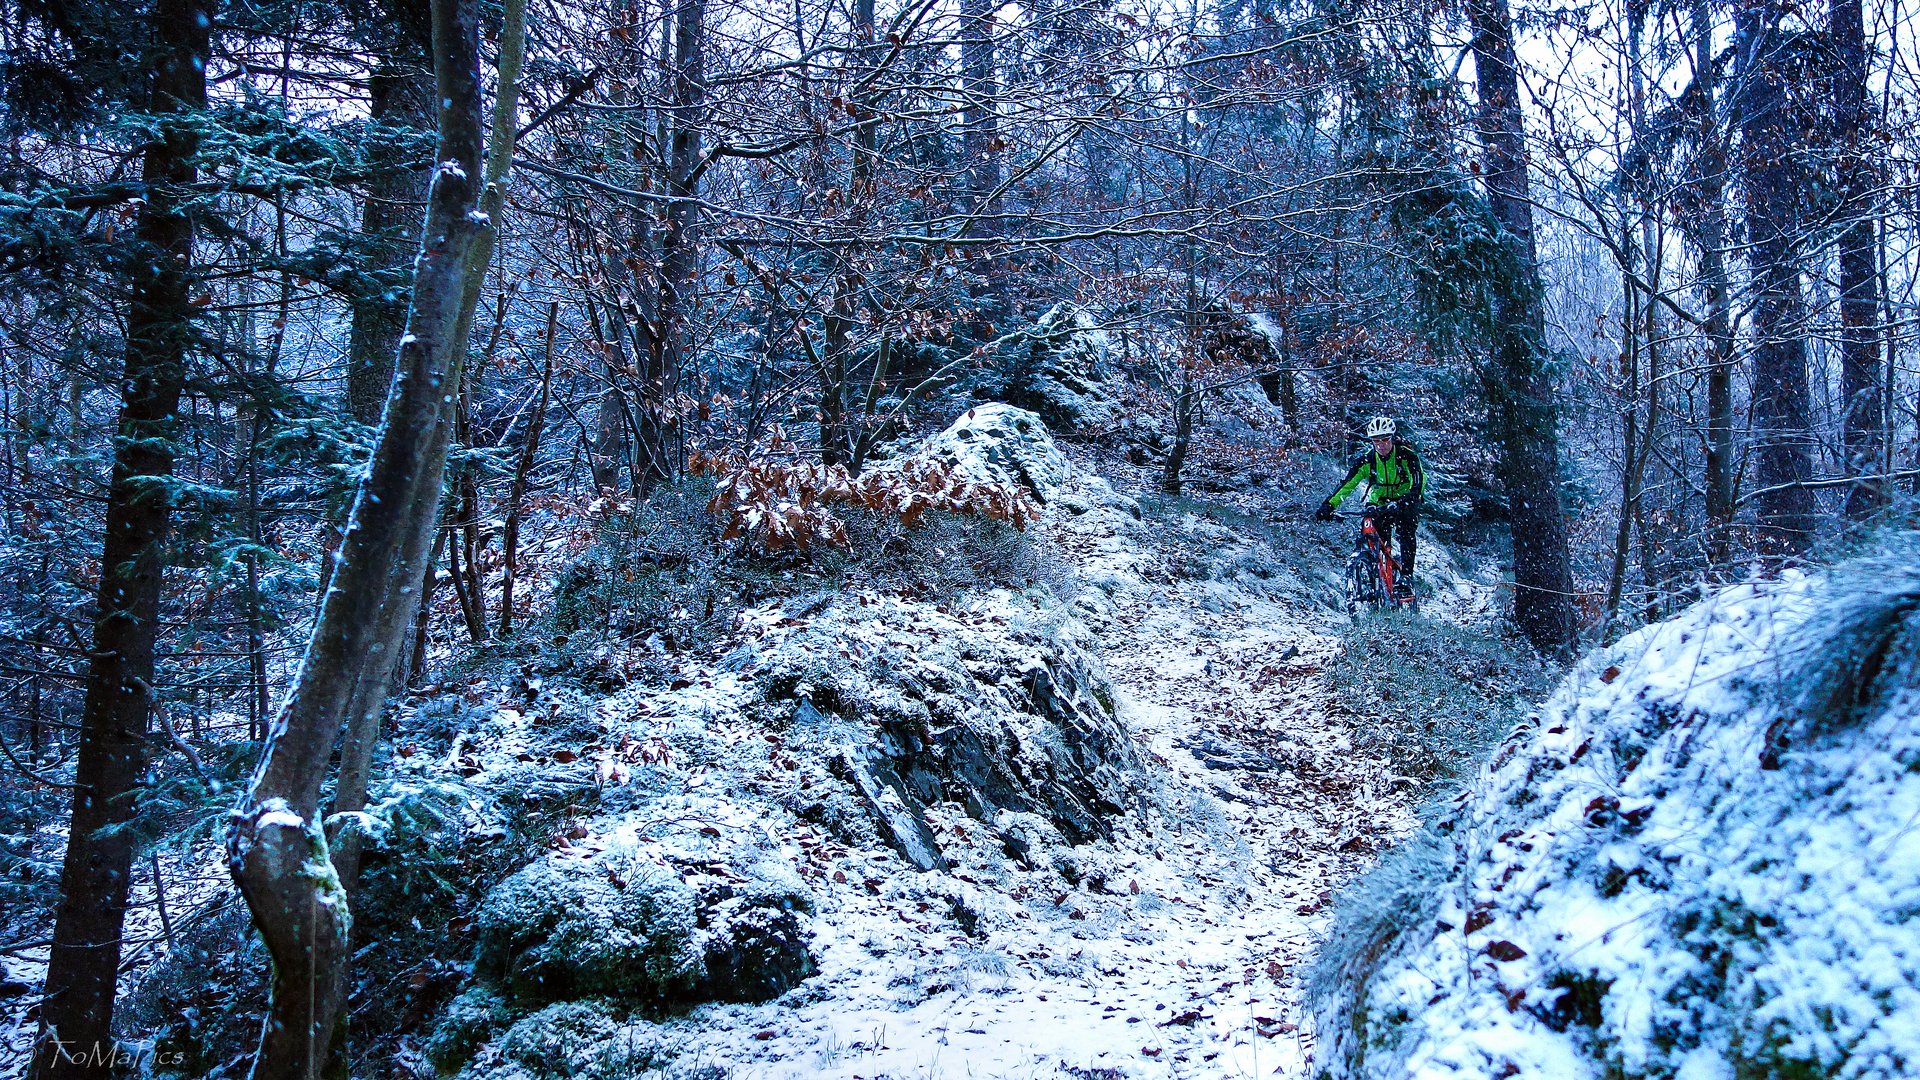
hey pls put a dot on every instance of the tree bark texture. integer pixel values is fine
(277, 849)
(1526, 416)
(400, 98)
(1862, 423)
(659, 426)
(1782, 421)
(76, 1016)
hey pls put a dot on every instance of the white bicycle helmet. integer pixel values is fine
(1381, 427)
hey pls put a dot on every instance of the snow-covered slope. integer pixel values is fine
(1700, 860)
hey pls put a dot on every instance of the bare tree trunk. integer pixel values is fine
(980, 116)
(1781, 392)
(76, 1015)
(397, 610)
(836, 440)
(400, 96)
(1711, 234)
(422, 613)
(522, 471)
(1862, 424)
(1631, 455)
(277, 848)
(1186, 405)
(1526, 414)
(679, 254)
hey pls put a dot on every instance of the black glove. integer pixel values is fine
(1325, 512)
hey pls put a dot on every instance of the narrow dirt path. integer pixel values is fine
(1232, 698)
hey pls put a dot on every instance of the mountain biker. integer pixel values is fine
(1396, 483)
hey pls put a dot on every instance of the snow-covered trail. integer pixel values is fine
(1227, 692)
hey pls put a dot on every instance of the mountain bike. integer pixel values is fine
(1372, 574)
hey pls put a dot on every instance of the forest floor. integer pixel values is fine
(1176, 947)
(1187, 961)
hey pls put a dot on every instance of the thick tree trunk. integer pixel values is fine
(1862, 424)
(1711, 235)
(1781, 393)
(277, 849)
(1526, 416)
(76, 1016)
(401, 96)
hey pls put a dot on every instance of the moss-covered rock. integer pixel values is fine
(754, 952)
(563, 1040)
(569, 927)
(469, 1021)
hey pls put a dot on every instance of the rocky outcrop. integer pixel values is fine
(1000, 444)
(914, 706)
(1059, 371)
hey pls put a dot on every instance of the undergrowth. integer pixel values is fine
(1432, 697)
(667, 570)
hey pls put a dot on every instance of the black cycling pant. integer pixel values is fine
(1388, 518)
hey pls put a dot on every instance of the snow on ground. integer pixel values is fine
(1700, 861)
(1175, 953)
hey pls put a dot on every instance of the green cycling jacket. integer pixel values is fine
(1392, 477)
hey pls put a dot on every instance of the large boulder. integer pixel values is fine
(1000, 444)
(617, 924)
(913, 705)
(1699, 861)
(611, 924)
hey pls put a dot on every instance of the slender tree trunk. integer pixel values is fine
(1630, 454)
(423, 612)
(397, 610)
(76, 1016)
(1862, 424)
(1186, 404)
(473, 598)
(1781, 392)
(679, 253)
(1526, 415)
(980, 115)
(277, 848)
(522, 472)
(836, 440)
(1711, 234)
(981, 150)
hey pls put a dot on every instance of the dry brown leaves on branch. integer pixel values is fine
(782, 505)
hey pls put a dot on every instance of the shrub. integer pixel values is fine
(559, 1041)
(656, 569)
(469, 1021)
(778, 505)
